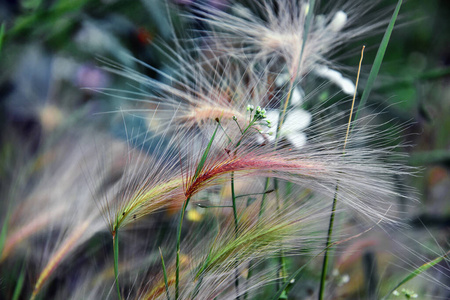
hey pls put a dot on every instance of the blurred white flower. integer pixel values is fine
(344, 280)
(335, 77)
(338, 22)
(291, 129)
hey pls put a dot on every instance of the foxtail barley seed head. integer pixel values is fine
(275, 31)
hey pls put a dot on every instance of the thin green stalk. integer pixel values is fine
(249, 275)
(329, 235)
(19, 284)
(254, 194)
(233, 196)
(3, 233)
(263, 200)
(2, 35)
(165, 275)
(116, 261)
(333, 209)
(372, 76)
(281, 259)
(294, 76)
(205, 154)
(183, 210)
(177, 267)
(237, 123)
(214, 206)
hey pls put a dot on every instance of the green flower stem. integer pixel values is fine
(177, 268)
(233, 195)
(183, 210)
(116, 261)
(165, 275)
(326, 257)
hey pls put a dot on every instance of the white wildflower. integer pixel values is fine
(339, 21)
(291, 129)
(335, 77)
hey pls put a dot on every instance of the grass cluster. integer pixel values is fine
(249, 167)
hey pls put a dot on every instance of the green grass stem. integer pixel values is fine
(2, 35)
(183, 210)
(205, 154)
(165, 275)
(19, 284)
(370, 82)
(378, 60)
(326, 256)
(116, 262)
(3, 234)
(282, 116)
(333, 208)
(236, 224)
(177, 267)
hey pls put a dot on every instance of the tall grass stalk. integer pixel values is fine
(293, 79)
(235, 216)
(183, 210)
(19, 284)
(333, 208)
(116, 262)
(2, 35)
(378, 60)
(166, 284)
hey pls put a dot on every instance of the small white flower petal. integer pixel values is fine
(338, 22)
(260, 139)
(297, 120)
(273, 116)
(345, 84)
(297, 96)
(271, 135)
(345, 278)
(297, 139)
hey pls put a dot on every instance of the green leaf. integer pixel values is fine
(205, 154)
(3, 234)
(2, 35)
(378, 60)
(19, 284)
(416, 272)
(165, 275)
